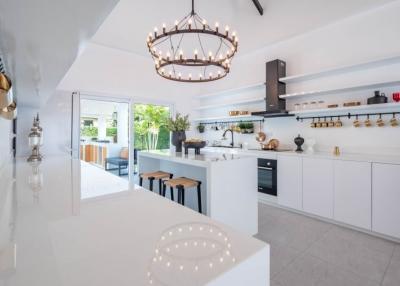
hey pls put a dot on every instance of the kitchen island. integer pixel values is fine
(229, 183)
(53, 233)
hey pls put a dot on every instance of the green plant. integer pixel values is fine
(111, 131)
(89, 131)
(149, 126)
(180, 123)
(201, 128)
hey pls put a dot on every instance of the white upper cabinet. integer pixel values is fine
(318, 187)
(290, 181)
(353, 193)
(386, 199)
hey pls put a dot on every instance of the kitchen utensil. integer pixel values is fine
(234, 113)
(260, 136)
(9, 112)
(271, 145)
(338, 122)
(299, 141)
(312, 125)
(352, 103)
(244, 112)
(368, 122)
(324, 124)
(380, 121)
(318, 124)
(377, 98)
(393, 121)
(305, 105)
(396, 96)
(333, 105)
(357, 122)
(331, 123)
(336, 151)
(5, 82)
(321, 104)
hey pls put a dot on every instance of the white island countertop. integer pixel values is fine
(204, 159)
(50, 236)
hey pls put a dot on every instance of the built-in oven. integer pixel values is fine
(267, 176)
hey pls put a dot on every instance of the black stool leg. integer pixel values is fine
(172, 193)
(199, 196)
(164, 189)
(160, 187)
(179, 194)
(151, 183)
(140, 181)
(183, 196)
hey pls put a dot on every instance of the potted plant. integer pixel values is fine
(178, 126)
(201, 128)
(242, 127)
(249, 127)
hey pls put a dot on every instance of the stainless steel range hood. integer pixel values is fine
(274, 106)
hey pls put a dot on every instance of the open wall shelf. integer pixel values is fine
(229, 118)
(342, 89)
(245, 101)
(341, 69)
(233, 90)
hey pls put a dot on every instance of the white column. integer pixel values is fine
(122, 124)
(101, 127)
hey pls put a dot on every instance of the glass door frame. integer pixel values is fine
(76, 120)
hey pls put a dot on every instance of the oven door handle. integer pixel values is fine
(265, 168)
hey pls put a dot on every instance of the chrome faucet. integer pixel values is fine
(224, 136)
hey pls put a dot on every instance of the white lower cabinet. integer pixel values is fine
(386, 199)
(353, 193)
(318, 187)
(290, 181)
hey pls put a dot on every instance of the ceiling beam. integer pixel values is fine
(259, 7)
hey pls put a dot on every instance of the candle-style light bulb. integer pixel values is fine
(226, 31)
(219, 73)
(168, 56)
(150, 36)
(180, 54)
(190, 76)
(216, 26)
(176, 24)
(200, 76)
(233, 35)
(190, 24)
(204, 24)
(209, 55)
(195, 54)
(155, 32)
(210, 75)
(179, 75)
(170, 73)
(164, 28)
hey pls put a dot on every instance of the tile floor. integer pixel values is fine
(309, 252)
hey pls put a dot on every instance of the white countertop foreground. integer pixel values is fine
(372, 158)
(50, 236)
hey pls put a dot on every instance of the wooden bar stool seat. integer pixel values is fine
(151, 176)
(181, 184)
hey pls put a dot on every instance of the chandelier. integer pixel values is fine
(192, 50)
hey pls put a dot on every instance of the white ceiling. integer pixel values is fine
(129, 23)
(40, 39)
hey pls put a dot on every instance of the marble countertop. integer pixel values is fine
(372, 158)
(204, 159)
(50, 235)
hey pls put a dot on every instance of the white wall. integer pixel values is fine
(368, 36)
(55, 119)
(5, 142)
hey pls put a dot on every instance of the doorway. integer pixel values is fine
(103, 147)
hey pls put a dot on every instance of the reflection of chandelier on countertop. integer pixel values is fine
(169, 49)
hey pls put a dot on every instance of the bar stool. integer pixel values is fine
(180, 184)
(151, 176)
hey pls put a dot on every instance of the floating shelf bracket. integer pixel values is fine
(234, 121)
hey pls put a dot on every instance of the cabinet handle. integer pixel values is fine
(265, 168)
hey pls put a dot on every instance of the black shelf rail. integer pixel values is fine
(231, 121)
(2, 68)
(348, 115)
